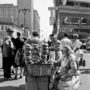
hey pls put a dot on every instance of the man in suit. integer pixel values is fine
(7, 53)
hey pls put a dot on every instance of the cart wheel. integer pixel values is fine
(84, 63)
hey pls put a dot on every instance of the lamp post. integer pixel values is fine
(24, 12)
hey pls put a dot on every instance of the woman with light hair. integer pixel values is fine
(68, 76)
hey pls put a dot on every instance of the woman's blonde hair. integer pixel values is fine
(68, 48)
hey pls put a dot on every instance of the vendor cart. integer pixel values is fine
(37, 76)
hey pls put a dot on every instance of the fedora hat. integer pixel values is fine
(9, 30)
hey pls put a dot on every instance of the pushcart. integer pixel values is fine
(37, 76)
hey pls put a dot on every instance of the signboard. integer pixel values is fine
(69, 20)
(75, 21)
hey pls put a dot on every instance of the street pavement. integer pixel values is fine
(19, 84)
(85, 76)
(11, 84)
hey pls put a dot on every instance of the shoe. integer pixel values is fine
(5, 78)
(15, 77)
(12, 72)
(9, 77)
(20, 76)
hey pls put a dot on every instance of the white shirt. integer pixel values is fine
(76, 44)
(66, 41)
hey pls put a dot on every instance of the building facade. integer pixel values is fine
(21, 15)
(8, 14)
(71, 16)
(36, 21)
(25, 13)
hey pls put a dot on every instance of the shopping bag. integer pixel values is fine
(72, 84)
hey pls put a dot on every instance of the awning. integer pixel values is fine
(6, 21)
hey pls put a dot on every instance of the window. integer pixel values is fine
(66, 20)
(75, 20)
(85, 21)
(69, 20)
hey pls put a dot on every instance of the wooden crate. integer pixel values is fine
(38, 69)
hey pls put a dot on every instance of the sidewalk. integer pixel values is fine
(20, 83)
(11, 84)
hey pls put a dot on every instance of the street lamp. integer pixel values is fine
(24, 12)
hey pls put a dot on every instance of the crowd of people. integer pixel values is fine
(61, 53)
(64, 54)
(9, 50)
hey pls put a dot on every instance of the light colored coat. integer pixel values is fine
(7, 46)
(66, 41)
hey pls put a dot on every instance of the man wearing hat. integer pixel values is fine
(76, 43)
(7, 53)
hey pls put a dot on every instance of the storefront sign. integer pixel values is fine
(75, 21)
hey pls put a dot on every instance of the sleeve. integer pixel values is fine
(79, 44)
(73, 66)
(7, 40)
(73, 69)
(59, 56)
(12, 46)
(17, 57)
(70, 43)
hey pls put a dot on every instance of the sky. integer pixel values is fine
(44, 13)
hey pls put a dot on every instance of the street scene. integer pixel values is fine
(44, 45)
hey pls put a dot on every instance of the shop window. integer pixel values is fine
(66, 20)
(75, 20)
(70, 20)
(85, 21)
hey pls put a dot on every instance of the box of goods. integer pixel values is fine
(38, 69)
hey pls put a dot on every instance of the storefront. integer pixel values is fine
(71, 19)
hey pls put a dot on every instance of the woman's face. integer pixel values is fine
(65, 51)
